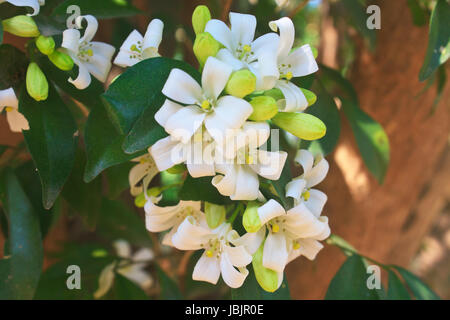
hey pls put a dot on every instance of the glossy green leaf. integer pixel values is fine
(101, 9)
(420, 290)
(373, 143)
(201, 189)
(51, 141)
(136, 96)
(118, 222)
(396, 290)
(125, 289)
(438, 50)
(117, 178)
(169, 288)
(13, 67)
(19, 273)
(350, 282)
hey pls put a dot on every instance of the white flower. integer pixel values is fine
(158, 219)
(8, 101)
(203, 104)
(92, 57)
(144, 171)
(239, 179)
(300, 188)
(297, 63)
(241, 51)
(131, 266)
(223, 253)
(34, 4)
(290, 234)
(137, 47)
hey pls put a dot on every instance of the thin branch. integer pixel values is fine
(226, 9)
(298, 8)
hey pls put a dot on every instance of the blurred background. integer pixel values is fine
(406, 219)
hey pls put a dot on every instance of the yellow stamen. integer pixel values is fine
(296, 245)
(275, 228)
(289, 76)
(206, 105)
(134, 48)
(306, 195)
(247, 48)
(9, 109)
(248, 159)
(209, 254)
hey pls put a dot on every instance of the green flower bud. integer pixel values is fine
(205, 46)
(200, 18)
(140, 200)
(62, 60)
(264, 108)
(177, 169)
(22, 26)
(241, 83)
(215, 214)
(310, 96)
(267, 278)
(250, 220)
(37, 85)
(274, 93)
(301, 125)
(46, 45)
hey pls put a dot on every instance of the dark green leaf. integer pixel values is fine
(117, 178)
(251, 290)
(1, 32)
(136, 96)
(350, 282)
(51, 141)
(19, 274)
(125, 289)
(441, 82)
(344, 86)
(420, 290)
(201, 189)
(102, 9)
(118, 222)
(169, 288)
(8, 10)
(49, 26)
(397, 290)
(13, 67)
(356, 12)
(373, 143)
(439, 39)
(418, 13)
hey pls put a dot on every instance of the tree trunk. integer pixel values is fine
(385, 222)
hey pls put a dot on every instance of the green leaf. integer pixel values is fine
(418, 13)
(101, 9)
(251, 290)
(350, 282)
(19, 274)
(103, 144)
(118, 222)
(169, 288)
(1, 32)
(117, 178)
(49, 26)
(13, 67)
(136, 96)
(8, 10)
(335, 77)
(420, 290)
(373, 143)
(51, 141)
(397, 290)
(125, 289)
(357, 15)
(438, 50)
(201, 189)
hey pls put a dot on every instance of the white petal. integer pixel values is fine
(135, 274)
(267, 68)
(309, 248)
(295, 189)
(8, 98)
(34, 4)
(251, 241)
(317, 173)
(316, 202)
(17, 121)
(125, 56)
(287, 35)
(239, 257)
(184, 123)
(201, 170)
(215, 77)
(168, 109)
(181, 87)
(125, 59)
(275, 255)
(243, 28)
(122, 248)
(153, 35)
(83, 79)
(226, 183)
(219, 30)
(207, 269)
(294, 99)
(91, 28)
(143, 254)
(305, 159)
(133, 39)
(158, 219)
(302, 61)
(105, 281)
(226, 56)
(138, 172)
(247, 184)
(304, 224)
(270, 164)
(232, 277)
(167, 153)
(190, 235)
(71, 40)
(270, 210)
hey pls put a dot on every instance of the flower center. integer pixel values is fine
(276, 225)
(213, 248)
(136, 50)
(206, 105)
(243, 52)
(306, 195)
(85, 51)
(296, 245)
(285, 73)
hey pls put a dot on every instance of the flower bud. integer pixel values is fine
(46, 45)
(37, 85)
(241, 83)
(200, 18)
(301, 125)
(140, 200)
(250, 220)
(177, 169)
(264, 108)
(22, 26)
(274, 93)
(205, 46)
(62, 60)
(267, 278)
(215, 214)
(310, 96)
